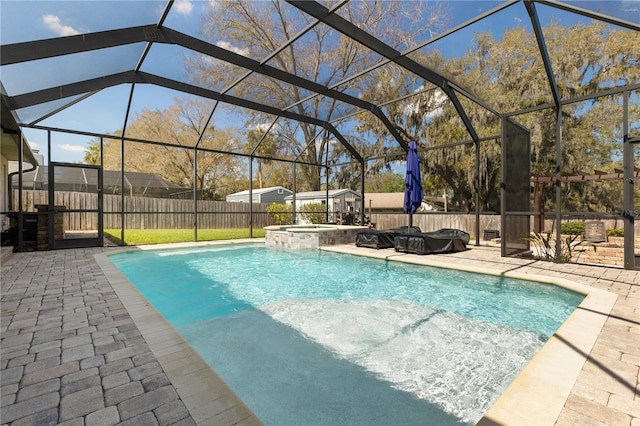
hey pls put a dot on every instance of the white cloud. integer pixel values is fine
(630, 6)
(434, 105)
(391, 83)
(183, 7)
(228, 46)
(331, 143)
(72, 148)
(208, 59)
(53, 22)
(411, 108)
(33, 145)
(264, 127)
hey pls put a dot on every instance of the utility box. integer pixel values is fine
(490, 234)
(29, 231)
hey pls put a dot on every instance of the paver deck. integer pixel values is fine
(80, 346)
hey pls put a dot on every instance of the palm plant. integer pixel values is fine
(570, 250)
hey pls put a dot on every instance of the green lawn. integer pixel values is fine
(162, 236)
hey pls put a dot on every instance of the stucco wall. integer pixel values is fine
(4, 192)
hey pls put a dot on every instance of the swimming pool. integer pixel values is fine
(322, 338)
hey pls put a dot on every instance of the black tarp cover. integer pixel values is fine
(441, 241)
(383, 239)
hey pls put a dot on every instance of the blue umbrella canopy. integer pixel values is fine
(412, 183)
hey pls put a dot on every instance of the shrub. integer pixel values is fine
(615, 232)
(314, 212)
(281, 214)
(570, 250)
(572, 228)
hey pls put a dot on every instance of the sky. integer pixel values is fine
(104, 112)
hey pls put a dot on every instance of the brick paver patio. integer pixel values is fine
(71, 354)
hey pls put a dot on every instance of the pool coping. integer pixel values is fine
(536, 396)
(208, 398)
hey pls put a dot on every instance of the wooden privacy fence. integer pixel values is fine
(163, 213)
(467, 222)
(434, 221)
(146, 213)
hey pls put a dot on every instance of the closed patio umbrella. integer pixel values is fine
(412, 183)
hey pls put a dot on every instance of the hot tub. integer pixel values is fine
(300, 237)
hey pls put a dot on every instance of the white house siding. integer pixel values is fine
(274, 197)
(241, 198)
(275, 194)
(320, 197)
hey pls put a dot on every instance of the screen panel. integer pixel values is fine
(516, 202)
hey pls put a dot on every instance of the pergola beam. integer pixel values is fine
(597, 176)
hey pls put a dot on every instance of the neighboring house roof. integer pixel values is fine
(321, 194)
(384, 200)
(72, 175)
(395, 201)
(262, 191)
(75, 179)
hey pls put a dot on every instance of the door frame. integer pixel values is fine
(53, 210)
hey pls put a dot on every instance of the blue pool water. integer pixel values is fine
(313, 337)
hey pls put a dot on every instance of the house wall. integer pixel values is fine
(242, 198)
(300, 203)
(273, 197)
(353, 207)
(269, 197)
(332, 201)
(332, 209)
(4, 192)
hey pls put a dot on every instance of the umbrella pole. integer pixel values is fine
(410, 220)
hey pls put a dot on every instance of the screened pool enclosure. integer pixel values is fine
(526, 113)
